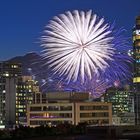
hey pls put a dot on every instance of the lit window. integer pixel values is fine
(3, 101)
(30, 90)
(7, 74)
(20, 110)
(15, 66)
(4, 91)
(137, 32)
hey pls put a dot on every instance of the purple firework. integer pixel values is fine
(86, 53)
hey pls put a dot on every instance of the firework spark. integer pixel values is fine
(96, 86)
(78, 44)
(85, 53)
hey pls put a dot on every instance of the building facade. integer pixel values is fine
(122, 105)
(9, 76)
(136, 78)
(73, 108)
(94, 113)
(25, 90)
(16, 91)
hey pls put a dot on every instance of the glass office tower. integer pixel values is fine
(136, 74)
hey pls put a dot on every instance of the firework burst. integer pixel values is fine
(86, 53)
(78, 44)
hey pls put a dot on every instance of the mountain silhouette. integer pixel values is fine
(33, 65)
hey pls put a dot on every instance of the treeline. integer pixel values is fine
(22, 132)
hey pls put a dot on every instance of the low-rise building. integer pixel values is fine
(96, 113)
(73, 108)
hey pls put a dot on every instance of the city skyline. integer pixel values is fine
(22, 23)
(34, 89)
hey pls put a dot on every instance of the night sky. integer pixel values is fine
(22, 21)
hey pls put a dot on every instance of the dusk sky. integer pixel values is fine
(22, 21)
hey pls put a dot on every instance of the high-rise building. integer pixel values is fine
(9, 75)
(121, 99)
(122, 105)
(25, 90)
(136, 78)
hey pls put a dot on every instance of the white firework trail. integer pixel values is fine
(77, 44)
